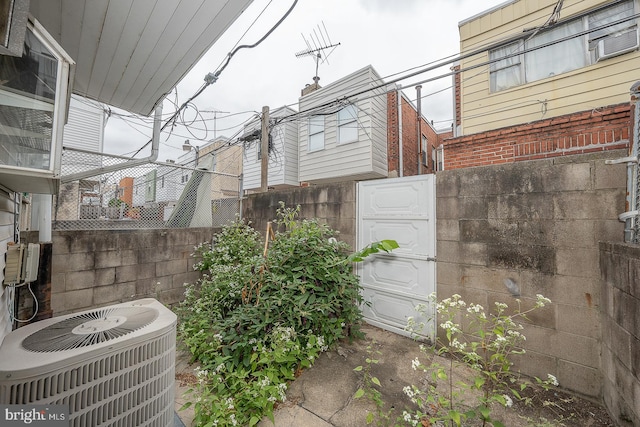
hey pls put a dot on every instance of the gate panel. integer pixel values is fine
(402, 209)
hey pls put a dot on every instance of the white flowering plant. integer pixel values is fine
(254, 320)
(485, 341)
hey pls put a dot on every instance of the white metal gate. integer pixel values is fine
(402, 209)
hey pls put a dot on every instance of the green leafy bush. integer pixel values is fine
(253, 322)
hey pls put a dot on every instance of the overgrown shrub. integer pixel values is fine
(253, 321)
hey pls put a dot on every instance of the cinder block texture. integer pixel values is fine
(334, 204)
(620, 345)
(538, 224)
(97, 268)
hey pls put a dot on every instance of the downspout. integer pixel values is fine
(631, 217)
(41, 216)
(155, 144)
(399, 98)
(419, 127)
(454, 125)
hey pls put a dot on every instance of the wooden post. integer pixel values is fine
(264, 149)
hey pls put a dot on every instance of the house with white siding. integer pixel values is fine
(283, 151)
(346, 139)
(84, 130)
(356, 128)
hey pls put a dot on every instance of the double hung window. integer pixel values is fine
(568, 46)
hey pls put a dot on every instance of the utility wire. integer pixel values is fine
(213, 77)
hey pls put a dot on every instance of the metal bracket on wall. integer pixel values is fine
(628, 160)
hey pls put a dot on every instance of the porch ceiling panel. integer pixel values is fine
(129, 53)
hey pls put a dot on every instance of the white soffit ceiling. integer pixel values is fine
(130, 53)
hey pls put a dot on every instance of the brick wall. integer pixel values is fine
(409, 137)
(538, 223)
(393, 132)
(620, 265)
(97, 268)
(334, 204)
(606, 128)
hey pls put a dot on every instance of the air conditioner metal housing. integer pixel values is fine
(618, 44)
(118, 380)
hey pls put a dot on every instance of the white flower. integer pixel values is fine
(507, 401)
(406, 416)
(541, 301)
(552, 379)
(282, 388)
(230, 404)
(474, 308)
(234, 422)
(415, 363)
(409, 392)
(460, 346)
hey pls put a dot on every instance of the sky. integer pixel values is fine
(392, 36)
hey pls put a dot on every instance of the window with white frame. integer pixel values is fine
(609, 34)
(30, 93)
(348, 124)
(440, 158)
(424, 148)
(316, 133)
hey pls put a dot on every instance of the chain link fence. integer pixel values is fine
(142, 195)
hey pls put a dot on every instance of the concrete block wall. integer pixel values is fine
(103, 267)
(334, 204)
(620, 267)
(538, 223)
(606, 128)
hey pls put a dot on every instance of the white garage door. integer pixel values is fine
(402, 209)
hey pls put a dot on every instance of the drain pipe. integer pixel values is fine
(419, 127)
(631, 217)
(155, 144)
(399, 98)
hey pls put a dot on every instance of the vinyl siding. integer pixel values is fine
(168, 186)
(283, 160)
(604, 83)
(6, 236)
(139, 184)
(363, 159)
(84, 129)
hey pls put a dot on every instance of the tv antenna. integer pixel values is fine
(320, 41)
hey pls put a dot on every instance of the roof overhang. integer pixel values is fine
(131, 53)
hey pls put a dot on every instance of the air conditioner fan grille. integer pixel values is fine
(89, 328)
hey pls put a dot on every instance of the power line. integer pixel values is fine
(213, 77)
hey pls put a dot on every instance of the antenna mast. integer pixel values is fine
(320, 41)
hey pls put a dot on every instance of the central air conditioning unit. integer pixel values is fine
(111, 366)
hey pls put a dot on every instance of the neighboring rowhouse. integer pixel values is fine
(543, 79)
(356, 128)
(283, 151)
(344, 140)
(227, 163)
